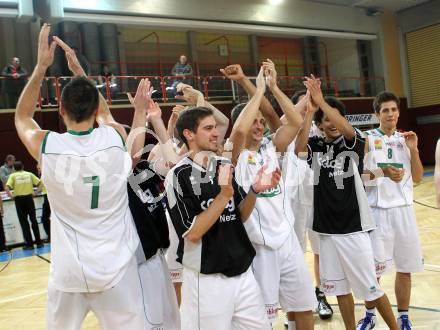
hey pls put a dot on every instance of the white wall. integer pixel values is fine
(343, 61)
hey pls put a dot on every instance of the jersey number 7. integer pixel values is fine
(94, 180)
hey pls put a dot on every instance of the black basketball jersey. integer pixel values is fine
(340, 202)
(145, 202)
(225, 248)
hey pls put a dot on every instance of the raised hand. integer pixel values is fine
(260, 81)
(314, 87)
(141, 100)
(225, 175)
(233, 72)
(264, 181)
(153, 111)
(72, 60)
(190, 94)
(270, 73)
(411, 140)
(45, 51)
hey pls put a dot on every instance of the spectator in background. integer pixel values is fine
(107, 76)
(14, 83)
(6, 169)
(181, 70)
(23, 183)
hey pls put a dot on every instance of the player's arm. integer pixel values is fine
(205, 220)
(235, 72)
(437, 173)
(165, 156)
(245, 120)
(416, 164)
(287, 132)
(303, 135)
(28, 130)
(343, 126)
(195, 97)
(262, 182)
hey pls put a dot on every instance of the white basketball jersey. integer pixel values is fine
(269, 222)
(93, 235)
(388, 150)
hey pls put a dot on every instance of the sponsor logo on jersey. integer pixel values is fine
(377, 144)
(272, 192)
(396, 144)
(251, 160)
(328, 286)
(230, 206)
(373, 289)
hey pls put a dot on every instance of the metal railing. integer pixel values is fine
(213, 87)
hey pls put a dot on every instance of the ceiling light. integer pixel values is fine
(275, 2)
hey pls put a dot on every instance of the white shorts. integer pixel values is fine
(217, 302)
(117, 308)
(302, 215)
(171, 254)
(284, 278)
(160, 302)
(314, 241)
(397, 240)
(346, 263)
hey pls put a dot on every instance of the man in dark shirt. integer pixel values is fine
(182, 70)
(208, 208)
(341, 212)
(15, 79)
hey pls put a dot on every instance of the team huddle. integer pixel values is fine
(230, 226)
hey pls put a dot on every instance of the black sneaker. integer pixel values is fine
(39, 246)
(286, 324)
(324, 309)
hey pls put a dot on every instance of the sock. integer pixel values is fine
(402, 312)
(371, 311)
(292, 325)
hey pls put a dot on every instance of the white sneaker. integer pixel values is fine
(403, 323)
(367, 323)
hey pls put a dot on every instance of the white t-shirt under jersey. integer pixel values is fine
(269, 222)
(93, 235)
(383, 192)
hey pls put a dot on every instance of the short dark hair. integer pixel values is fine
(18, 165)
(334, 103)
(80, 99)
(295, 97)
(383, 97)
(9, 157)
(235, 112)
(190, 119)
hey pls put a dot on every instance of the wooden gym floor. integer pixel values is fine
(23, 282)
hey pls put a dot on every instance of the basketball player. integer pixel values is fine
(341, 212)
(279, 265)
(207, 208)
(390, 196)
(299, 183)
(85, 171)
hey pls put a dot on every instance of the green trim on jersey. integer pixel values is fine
(43, 145)
(57, 153)
(380, 131)
(90, 130)
(383, 165)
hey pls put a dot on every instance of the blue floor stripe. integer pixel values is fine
(20, 253)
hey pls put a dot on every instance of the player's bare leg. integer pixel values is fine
(346, 307)
(402, 288)
(316, 270)
(303, 320)
(384, 308)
